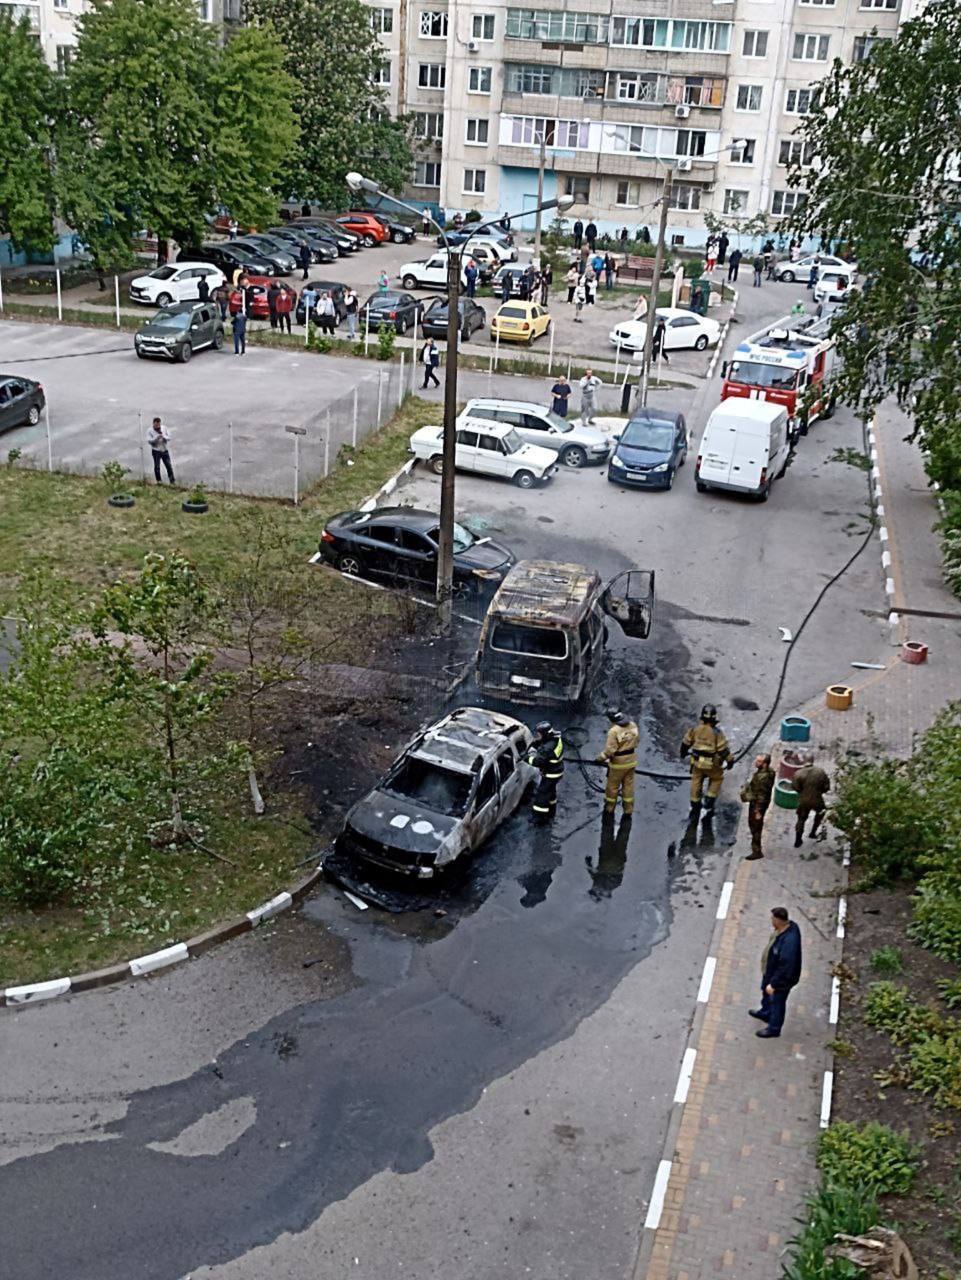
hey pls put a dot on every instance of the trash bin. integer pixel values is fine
(627, 390)
(700, 296)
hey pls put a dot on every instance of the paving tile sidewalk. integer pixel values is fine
(741, 1146)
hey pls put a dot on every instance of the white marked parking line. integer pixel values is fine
(725, 900)
(684, 1079)
(707, 978)
(835, 1001)
(827, 1089)
(842, 915)
(656, 1207)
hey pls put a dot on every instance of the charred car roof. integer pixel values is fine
(464, 739)
(545, 593)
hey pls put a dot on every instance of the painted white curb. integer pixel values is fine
(725, 900)
(271, 908)
(159, 959)
(656, 1207)
(827, 1090)
(684, 1079)
(842, 916)
(388, 486)
(835, 1001)
(38, 991)
(707, 978)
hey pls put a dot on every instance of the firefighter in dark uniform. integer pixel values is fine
(546, 754)
(756, 794)
(620, 756)
(710, 755)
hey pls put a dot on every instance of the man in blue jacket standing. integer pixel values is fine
(780, 972)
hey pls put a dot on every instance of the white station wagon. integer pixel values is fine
(489, 449)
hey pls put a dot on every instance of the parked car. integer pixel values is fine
(682, 329)
(514, 273)
(283, 260)
(401, 310)
(489, 449)
(370, 229)
(485, 259)
(789, 271)
(504, 246)
(746, 446)
(321, 250)
(177, 331)
(174, 282)
(650, 450)
(336, 291)
(228, 256)
(449, 789)
(520, 322)
(398, 232)
(434, 319)
(256, 301)
(575, 445)
(21, 401)
(428, 273)
(398, 545)
(829, 285)
(345, 240)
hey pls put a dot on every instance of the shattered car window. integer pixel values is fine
(437, 789)
(538, 642)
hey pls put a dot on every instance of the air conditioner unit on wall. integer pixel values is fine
(472, 46)
(682, 112)
(685, 165)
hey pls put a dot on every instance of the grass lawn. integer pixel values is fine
(153, 897)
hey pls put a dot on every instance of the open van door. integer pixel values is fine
(629, 600)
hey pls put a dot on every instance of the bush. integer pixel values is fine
(386, 337)
(937, 917)
(887, 822)
(694, 268)
(472, 215)
(870, 1155)
(932, 1062)
(887, 960)
(321, 343)
(852, 1210)
(950, 531)
(950, 989)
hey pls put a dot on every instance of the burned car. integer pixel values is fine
(452, 785)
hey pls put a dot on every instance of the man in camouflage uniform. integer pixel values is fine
(811, 783)
(710, 755)
(756, 794)
(620, 756)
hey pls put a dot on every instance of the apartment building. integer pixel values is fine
(614, 92)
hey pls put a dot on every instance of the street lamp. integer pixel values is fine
(666, 189)
(445, 542)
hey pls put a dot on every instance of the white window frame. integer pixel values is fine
(871, 40)
(382, 21)
(627, 86)
(817, 4)
(436, 72)
(752, 92)
(740, 207)
(686, 197)
(64, 56)
(481, 125)
(750, 147)
(382, 75)
(428, 18)
(571, 181)
(752, 37)
(432, 132)
(470, 187)
(479, 23)
(475, 76)
(793, 111)
(815, 40)
(632, 188)
(61, 4)
(426, 167)
(888, 6)
(204, 9)
(788, 201)
(798, 152)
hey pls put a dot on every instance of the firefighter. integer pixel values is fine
(546, 754)
(710, 756)
(620, 756)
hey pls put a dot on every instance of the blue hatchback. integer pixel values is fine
(651, 448)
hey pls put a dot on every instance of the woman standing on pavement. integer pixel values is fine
(571, 281)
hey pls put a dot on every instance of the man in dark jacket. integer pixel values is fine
(273, 293)
(590, 235)
(780, 973)
(304, 256)
(722, 247)
(578, 233)
(735, 264)
(756, 794)
(546, 754)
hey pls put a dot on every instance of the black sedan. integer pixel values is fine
(472, 316)
(398, 545)
(321, 250)
(400, 232)
(228, 257)
(344, 240)
(401, 310)
(21, 401)
(283, 259)
(336, 291)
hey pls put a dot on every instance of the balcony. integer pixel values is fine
(17, 12)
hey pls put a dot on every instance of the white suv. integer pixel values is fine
(427, 273)
(175, 282)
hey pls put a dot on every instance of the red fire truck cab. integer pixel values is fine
(789, 362)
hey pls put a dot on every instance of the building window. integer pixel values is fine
(429, 125)
(554, 24)
(817, 4)
(880, 4)
(800, 101)
(382, 21)
(432, 75)
(64, 57)
(528, 131)
(479, 80)
(382, 75)
(749, 97)
(794, 151)
(745, 154)
(690, 142)
(784, 203)
(694, 91)
(478, 131)
(427, 173)
(640, 33)
(810, 48)
(735, 201)
(755, 44)
(60, 4)
(628, 195)
(865, 45)
(684, 195)
(482, 26)
(579, 186)
(204, 7)
(708, 37)
(475, 182)
(433, 24)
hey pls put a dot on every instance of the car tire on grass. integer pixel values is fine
(350, 564)
(701, 344)
(121, 500)
(573, 456)
(436, 464)
(524, 479)
(186, 351)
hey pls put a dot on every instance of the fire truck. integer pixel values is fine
(789, 362)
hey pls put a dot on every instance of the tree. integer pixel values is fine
(886, 137)
(27, 104)
(738, 224)
(332, 53)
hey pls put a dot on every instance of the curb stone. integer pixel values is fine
(156, 961)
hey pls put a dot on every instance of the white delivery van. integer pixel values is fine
(745, 447)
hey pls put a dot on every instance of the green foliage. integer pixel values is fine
(887, 823)
(870, 1155)
(852, 1210)
(887, 960)
(386, 338)
(895, 205)
(198, 492)
(931, 1063)
(937, 916)
(950, 989)
(320, 342)
(949, 528)
(13, 456)
(28, 104)
(694, 268)
(333, 55)
(737, 226)
(113, 473)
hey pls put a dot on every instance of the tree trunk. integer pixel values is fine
(255, 796)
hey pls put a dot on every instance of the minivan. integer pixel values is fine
(745, 447)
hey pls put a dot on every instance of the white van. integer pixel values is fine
(745, 447)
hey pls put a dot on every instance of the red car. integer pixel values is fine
(365, 225)
(257, 305)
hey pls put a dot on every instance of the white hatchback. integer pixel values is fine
(175, 282)
(682, 329)
(489, 449)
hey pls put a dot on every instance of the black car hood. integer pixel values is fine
(399, 823)
(632, 456)
(483, 555)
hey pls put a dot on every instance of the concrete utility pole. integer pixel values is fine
(541, 165)
(666, 190)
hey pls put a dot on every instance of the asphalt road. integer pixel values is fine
(483, 1093)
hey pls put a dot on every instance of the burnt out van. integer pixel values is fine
(544, 634)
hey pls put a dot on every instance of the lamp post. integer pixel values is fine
(445, 540)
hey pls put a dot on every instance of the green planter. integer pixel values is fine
(785, 797)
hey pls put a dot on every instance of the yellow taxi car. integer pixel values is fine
(519, 322)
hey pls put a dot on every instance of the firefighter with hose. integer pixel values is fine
(710, 755)
(620, 756)
(546, 754)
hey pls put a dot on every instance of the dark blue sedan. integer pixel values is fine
(651, 448)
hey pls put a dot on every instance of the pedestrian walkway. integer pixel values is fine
(740, 1151)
